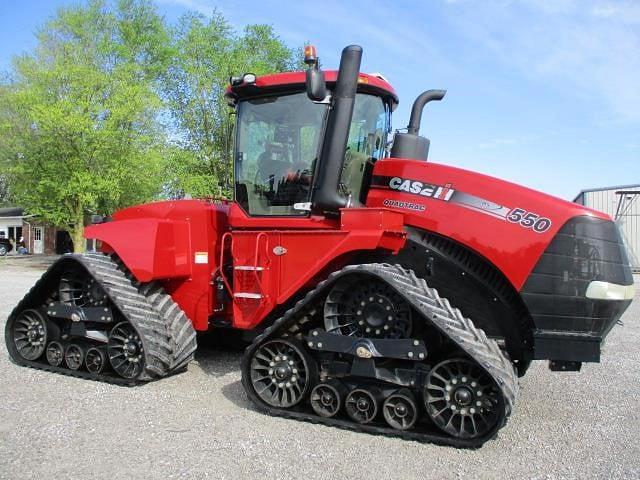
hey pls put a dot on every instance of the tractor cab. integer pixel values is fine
(293, 129)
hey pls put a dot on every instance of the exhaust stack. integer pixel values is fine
(410, 144)
(326, 196)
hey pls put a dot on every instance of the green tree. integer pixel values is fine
(5, 197)
(207, 52)
(78, 117)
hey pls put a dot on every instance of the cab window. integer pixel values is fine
(277, 146)
(366, 143)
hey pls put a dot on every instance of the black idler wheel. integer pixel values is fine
(125, 350)
(78, 288)
(462, 399)
(74, 356)
(55, 354)
(367, 307)
(361, 405)
(400, 410)
(96, 360)
(326, 398)
(29, 332)
(282, 372)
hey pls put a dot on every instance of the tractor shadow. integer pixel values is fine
(220, 355)
(234, 392)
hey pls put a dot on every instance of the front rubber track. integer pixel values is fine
(434, 310)
(167, 335)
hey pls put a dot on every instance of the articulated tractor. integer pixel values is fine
(383, 293)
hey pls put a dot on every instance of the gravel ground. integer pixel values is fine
(200, 424)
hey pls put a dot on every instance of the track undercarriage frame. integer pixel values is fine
(448, 384)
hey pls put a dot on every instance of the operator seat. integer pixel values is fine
(273, 164)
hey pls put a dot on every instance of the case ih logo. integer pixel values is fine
(424, 189)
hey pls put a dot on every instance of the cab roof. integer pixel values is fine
(295, 81)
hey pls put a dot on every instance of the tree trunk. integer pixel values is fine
(77, 235)
(77, 231)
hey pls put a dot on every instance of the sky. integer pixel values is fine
(541, 93)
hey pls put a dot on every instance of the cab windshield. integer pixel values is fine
(277, 146)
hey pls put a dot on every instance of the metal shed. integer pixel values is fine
(622, 203)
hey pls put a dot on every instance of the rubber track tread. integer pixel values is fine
(435, 310)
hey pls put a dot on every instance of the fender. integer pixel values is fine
(151, 248)
(508, 224)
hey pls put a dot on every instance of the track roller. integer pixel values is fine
(96, 360)
(74, 356)
(55, 354)
(326, 398)
(361, 405)
(400, 410)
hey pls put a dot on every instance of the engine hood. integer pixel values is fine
(508, 224)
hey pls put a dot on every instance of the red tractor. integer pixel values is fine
(385, 293)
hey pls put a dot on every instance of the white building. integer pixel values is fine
(622, 203)
(11, 223)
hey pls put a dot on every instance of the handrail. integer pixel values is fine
(221, 265)
(255, 260)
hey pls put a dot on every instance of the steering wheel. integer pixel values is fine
(271, 171)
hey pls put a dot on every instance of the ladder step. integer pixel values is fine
(249, 268)
(247, 295)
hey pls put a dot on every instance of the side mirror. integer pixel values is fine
(316, 85)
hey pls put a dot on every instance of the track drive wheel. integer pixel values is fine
(125, 350)
(282, 372)
(461, 399)
(366, 307)
(29, 332)
(78, 288)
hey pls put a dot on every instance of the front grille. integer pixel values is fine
(584, 250)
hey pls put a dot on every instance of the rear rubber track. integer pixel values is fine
(434, 310)
(167, 335)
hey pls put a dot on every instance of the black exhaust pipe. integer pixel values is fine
(410, 144)
(326, 196)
